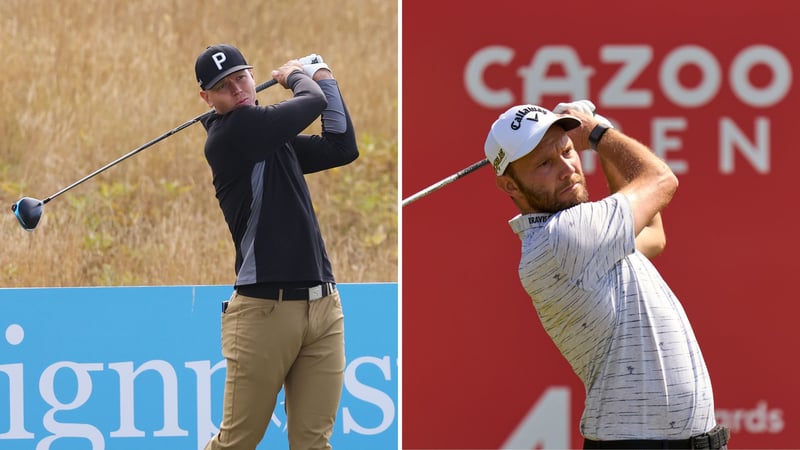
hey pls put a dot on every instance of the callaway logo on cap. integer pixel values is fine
(216, 63)
(518, 131)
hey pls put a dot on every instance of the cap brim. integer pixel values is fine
(224, 74)
(567, 122)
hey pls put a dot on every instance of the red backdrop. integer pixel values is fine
(712, 87)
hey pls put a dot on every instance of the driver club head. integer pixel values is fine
(28, 211)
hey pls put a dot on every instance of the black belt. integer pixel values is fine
(279, 293)
(716, 438)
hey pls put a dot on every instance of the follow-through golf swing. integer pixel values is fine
(283, 325)
(28, 210)
(586, 267)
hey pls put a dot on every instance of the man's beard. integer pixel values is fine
(547, 202)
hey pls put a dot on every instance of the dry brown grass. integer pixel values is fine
(86, 81)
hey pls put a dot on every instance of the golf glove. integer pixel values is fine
(312, 63)
(584, 106)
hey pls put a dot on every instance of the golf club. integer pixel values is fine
(28, 210)
(445, 182)
(581, 105)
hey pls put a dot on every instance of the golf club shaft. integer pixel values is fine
(445, 181)
(169, 133)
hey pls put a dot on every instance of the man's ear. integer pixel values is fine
(506, 184)
(204, 96)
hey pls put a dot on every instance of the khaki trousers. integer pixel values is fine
(267, 344)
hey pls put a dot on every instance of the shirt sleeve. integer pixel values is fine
(336, 146)
(590, 238)
(258, 131)
(334, 118)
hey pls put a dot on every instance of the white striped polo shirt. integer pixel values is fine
(617, 323)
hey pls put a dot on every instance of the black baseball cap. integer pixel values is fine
(216, 63)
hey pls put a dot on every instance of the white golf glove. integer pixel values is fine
(584, 106)
(312, 63)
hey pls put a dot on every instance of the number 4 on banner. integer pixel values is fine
(546, 425)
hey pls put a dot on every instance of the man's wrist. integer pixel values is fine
(597, 133)
(322, 74)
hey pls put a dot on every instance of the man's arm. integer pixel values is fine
(651, 240)
(631, 169)
(336, 146)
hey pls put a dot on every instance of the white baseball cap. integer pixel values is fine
(518, 131)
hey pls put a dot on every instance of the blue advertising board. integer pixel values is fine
(141, 367)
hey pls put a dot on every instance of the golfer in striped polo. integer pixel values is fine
(585, 265)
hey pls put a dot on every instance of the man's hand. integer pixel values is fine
(584, 106)
(282, 73)
(587, 113)
(310, 59)
(315, 67)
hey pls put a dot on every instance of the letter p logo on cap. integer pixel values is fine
(219, 58)
(216, 63)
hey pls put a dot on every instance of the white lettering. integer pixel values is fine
(368, 394)
(16, 403)
(84, 391)
(546, 425)
(588, 161)
(205, 426)
(218, 58)
(664, 143)
(61, 397)
(781, 76)
(473, 76)
(634, 59)
(127, 427)
(757, 153)
(757, 421)
(710, 76)
(536, 83)
(666, 140)
(15, 334)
